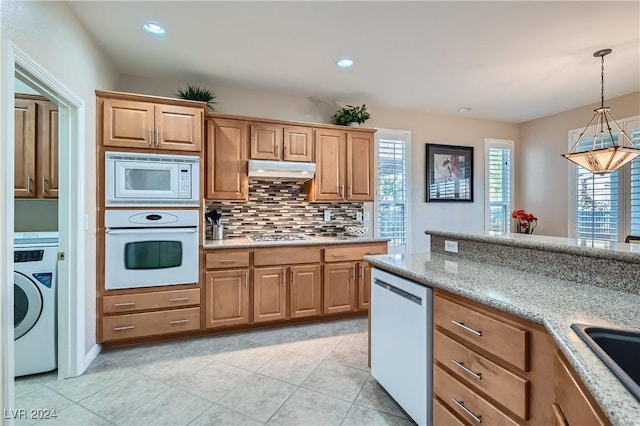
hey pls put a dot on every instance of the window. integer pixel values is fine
(498, 180)
(607, 206)
(391, 208)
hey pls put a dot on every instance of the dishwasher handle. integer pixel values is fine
(393, 289)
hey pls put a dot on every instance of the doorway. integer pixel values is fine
(71, 216)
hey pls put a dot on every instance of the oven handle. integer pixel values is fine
(151, 231)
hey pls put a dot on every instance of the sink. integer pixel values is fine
(618, 349)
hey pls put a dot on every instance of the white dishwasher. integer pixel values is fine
(402, 342)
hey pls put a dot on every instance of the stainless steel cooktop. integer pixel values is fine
(278, 237)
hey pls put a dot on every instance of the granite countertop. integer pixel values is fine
(552, 302)
(243, 242)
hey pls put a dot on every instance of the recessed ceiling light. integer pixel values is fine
(464, 109)
(344, 63)
(153, 28)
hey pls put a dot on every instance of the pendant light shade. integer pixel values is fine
(605, 156)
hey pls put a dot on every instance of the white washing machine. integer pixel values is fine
(35, 302)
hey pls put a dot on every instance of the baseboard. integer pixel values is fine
(90, 356)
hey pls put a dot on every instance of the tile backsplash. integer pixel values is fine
(275, 207)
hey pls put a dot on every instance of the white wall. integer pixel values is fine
(424, 127)
(50, 33)
(542, 175)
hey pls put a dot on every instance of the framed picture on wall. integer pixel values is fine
(449, 172)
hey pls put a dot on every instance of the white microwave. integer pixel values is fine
(136, 179)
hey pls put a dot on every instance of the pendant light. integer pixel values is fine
(605, 156)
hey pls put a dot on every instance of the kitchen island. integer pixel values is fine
(551, 302)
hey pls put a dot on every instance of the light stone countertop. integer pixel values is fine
(554, 303)
(243, 242)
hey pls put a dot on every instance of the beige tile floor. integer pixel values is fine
(299, 375)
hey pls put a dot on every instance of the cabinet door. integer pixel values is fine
(306, 291)
(179, 128)
(227, 160)
(48, 150)
(226, 298)
(339, 291)
(128, 124)
(298, 144)
(24, 174)
(364, 285)
(269, 294)
(360, 180)
(266, 142)
(328, 184)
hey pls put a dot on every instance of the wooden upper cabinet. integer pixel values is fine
(328, 183)
(24, 176)
(360, 176)
(148, 125)
(227, 160)
(276, 143)
(344, 166)
(36, 148)
(48, 150)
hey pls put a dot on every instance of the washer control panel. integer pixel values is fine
(28, 256)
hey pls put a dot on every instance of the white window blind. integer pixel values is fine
(391, 200)
(499, 168)
(635, 184)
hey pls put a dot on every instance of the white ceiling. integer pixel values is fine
(511, 61)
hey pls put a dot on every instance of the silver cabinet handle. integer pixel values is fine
(338, 255)
(179, 299)
(293, 278)
(121, 304)
(362, 272)
(126, 327)
(157, 137)
(28, 184)
(353, 271)
(182, 321)
(227, 261)
(477, 419)
(275, 149)
(150, 137)
(467, 329)
(342, 190)
(466, 370)
(44, 184)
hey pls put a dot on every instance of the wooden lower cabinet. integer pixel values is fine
(299, 285)
(339, 287)
(119, 327)
(269, 294)
(364, 285)
(573, 405)
(227, 298)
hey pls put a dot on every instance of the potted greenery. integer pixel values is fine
(350, 115)
(195, 93)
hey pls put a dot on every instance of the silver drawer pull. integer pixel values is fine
(477, 419)
(227, 261)
(467, 329)
(179, 299)
(338, 255)
(466, 370)
(121, 304)
(126, 327)
(182, 321)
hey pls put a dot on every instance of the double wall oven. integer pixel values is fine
(158, 245)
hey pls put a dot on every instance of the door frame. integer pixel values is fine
(72, 218)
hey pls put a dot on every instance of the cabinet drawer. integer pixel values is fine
(154, 300)
(443, 417)
(227, 259)
(466, 403)
(126, 326)
(286, 256)
(349, 253)
(505, 387)
(496, 337)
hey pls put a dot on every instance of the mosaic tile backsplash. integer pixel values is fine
(275, 207)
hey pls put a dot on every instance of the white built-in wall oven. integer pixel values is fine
(147, 248)
(141, 179)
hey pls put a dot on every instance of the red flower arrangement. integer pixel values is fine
(525, 222)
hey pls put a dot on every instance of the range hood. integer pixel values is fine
(281, 170)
